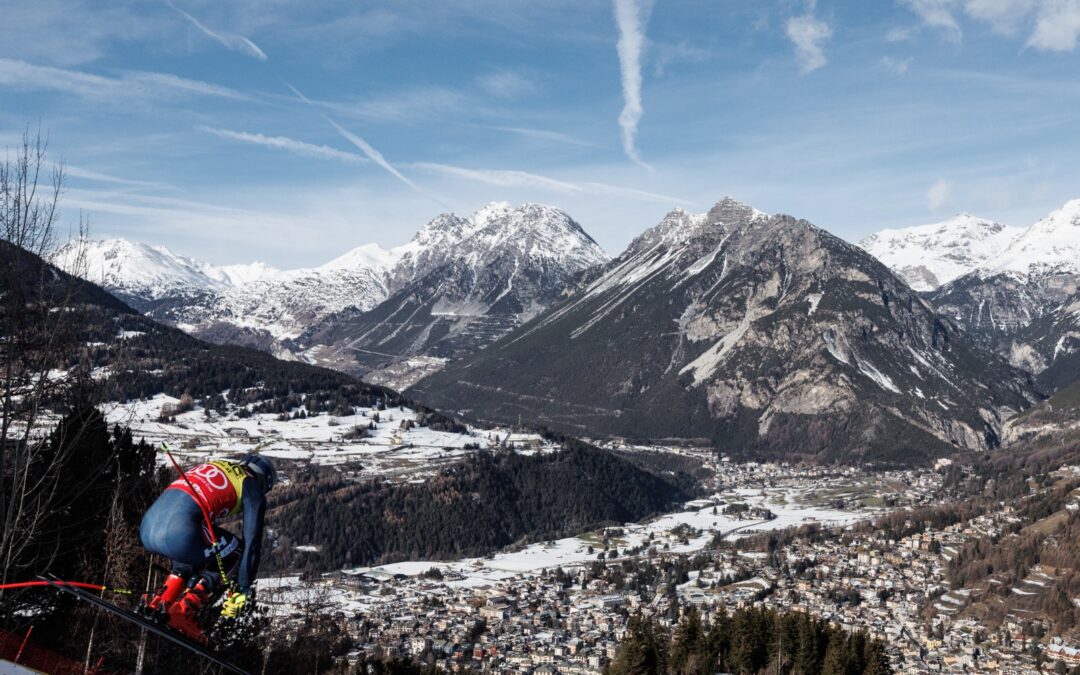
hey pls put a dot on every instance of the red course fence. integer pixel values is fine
(18, 649)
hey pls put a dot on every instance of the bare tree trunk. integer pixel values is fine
(140, 658)
(36, 339)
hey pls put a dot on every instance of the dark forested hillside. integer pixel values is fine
(470, 509)
(751, 640)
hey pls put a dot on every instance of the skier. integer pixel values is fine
(176, 527)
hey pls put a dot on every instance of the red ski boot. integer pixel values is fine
(172, 589)
(183, 615)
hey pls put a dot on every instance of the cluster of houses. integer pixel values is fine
(571, 621)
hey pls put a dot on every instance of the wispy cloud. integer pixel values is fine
(667, 54)
(369, 151)
(237, 43)
(545, 135)
(629, 19)
(939, 195)
(287, 144)
(1003, 15)
(134, 83)
(421, 102)
(939, 14)
(896, 66)
(524, 179)
(900, 33)
(808, 34)
(507, 85)
(377, 157)
(176, 214)
(96, 176)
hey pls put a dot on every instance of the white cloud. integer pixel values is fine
(896, 66)
(507, 85)
(940, 194)
(135, 83)
(237, 43)
(524, 179)
(628, 18)
(1054, 24)
(808, 34)
(288, 144)
(1003, 15)
(939, 14)
(1057, 26)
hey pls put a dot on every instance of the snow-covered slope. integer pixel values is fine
(1050, 246)
(929, 256)
(282, 305)
(138, 272)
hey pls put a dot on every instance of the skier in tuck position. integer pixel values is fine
(178, 527)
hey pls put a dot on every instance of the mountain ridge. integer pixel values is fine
(741, 329)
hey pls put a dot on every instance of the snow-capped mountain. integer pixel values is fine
(756, 334)
(478, 276)
(142, 273)
(458, 285)
(1019, 301)
(266, 312)
(929, 256)
(1049, 247)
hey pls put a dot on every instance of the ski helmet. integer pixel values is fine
(263, 469)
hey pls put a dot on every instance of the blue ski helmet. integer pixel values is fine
(263, 469)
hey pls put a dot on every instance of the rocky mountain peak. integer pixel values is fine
(731, 211)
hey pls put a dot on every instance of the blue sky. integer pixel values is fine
(290, 132)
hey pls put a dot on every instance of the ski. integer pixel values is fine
(143, 622)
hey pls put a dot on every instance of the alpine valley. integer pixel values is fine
(761, 335)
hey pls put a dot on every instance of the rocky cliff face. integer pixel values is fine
(763, 335)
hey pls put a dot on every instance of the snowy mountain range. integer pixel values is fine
(1014, 290)
(1024, 302)
(535, 247)
(144, 273)
(457, 286)
(929, 256)
(756, 334)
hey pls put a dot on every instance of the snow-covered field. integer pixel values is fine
(386, 449)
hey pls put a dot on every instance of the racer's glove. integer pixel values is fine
(234, 604)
